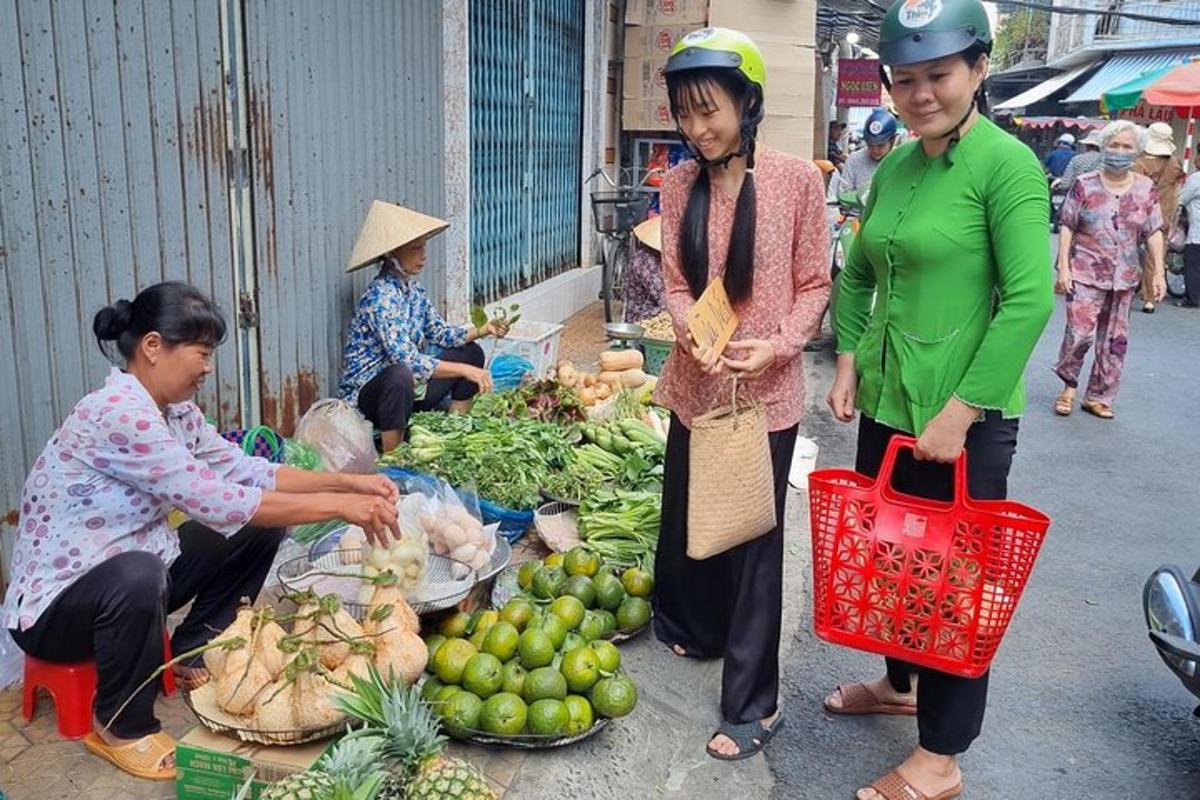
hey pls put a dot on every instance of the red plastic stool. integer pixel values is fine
(72, 687)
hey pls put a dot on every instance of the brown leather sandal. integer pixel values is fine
(858, 700)
(1064, 404)
(894, 787)
(1097, 409)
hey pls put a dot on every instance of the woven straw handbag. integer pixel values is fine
(731, 484)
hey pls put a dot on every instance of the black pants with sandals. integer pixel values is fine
(390, 398)
(729, 605)
(950, 709)
(114, 614)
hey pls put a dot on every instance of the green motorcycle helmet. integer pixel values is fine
(924, 30)
(719, 48)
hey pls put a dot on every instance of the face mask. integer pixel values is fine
(1117, 161)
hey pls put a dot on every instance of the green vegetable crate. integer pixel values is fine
(655, 352)
(211, 766)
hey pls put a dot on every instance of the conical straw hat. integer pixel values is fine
(649, 233)
(387, 227)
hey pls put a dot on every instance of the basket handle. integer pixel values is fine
(883, 483)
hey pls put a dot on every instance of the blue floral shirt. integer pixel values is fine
(394, 323)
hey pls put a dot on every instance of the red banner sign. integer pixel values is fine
(858, 82)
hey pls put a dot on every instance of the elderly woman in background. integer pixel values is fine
(1159, 164)
(1108, 217)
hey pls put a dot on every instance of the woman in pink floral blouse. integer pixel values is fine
(97, 569)
(753, 218)
(1109, 217)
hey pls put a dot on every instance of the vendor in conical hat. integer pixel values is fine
(645, 295)
(401, 356)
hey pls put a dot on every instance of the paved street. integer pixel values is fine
(1081, 706)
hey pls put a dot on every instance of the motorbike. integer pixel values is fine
(1171, 602)
(1058, 195)
(844, 225)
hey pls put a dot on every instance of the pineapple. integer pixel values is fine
(412, 744)
(347, 772)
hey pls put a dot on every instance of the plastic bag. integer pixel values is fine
(12, 660)
(450, 521)
(301, 456)
(509, 370)
(342, 436)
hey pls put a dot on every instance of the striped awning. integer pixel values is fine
(1045, 88)
(1120, 69)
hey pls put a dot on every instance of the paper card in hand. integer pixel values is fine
(711, 320)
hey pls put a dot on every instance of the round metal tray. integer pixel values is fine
(530, 741)
(624, 331)
(203, 696)
(446, 581)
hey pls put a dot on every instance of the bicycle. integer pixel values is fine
(615, 212)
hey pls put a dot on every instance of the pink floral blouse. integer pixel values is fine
(1108, 230)
(106, 481)
(791, 284)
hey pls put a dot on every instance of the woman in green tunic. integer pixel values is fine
(944, 295)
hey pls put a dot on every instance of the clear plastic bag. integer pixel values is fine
(340, 434)
(12, 660)
(450, 521)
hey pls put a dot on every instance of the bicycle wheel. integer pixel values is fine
(612, 279)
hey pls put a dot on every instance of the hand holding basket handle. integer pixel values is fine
(930, 582)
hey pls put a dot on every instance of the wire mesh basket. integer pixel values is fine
(618, 211)
(202, 702)
(530, 741)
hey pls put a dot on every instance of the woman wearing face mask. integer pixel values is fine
(97, 569)
(1108, 217)
(401, 356)
(753, 218)
(944, 295)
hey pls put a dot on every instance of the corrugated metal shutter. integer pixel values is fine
(113, 168)
(345, 106)
(526, 116)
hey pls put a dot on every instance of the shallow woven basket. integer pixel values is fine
(202, 702)
(558, 522)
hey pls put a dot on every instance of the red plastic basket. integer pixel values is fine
(932, 583)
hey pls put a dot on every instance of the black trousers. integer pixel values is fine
(950, 709)
(389, 399)
(731, 604)
(115, 613)
(1191, 272)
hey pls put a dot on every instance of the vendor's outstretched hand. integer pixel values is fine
(497, 328)
(375, 515)
(379, 485)
(481, 378)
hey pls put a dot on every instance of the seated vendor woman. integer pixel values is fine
(97, 569)
(401, 356)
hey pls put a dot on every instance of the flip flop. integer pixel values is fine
(858, 700)
(190, 678)
(1098, 409)
(142, 758)
(750, 737)
(894, 787)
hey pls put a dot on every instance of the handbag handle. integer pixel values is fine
(887, 469)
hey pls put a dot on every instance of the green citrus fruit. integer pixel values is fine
(536, 649)
(544, 682)
(553, 560)
(572, 641)
(579, 561)
(613, 697)
(610, 623)
(580, 586)
(451, 660)
(526, 572)
(609, 591)
(581, 668)
(517, 612)
(503, 714)
(483, 675)
(549, 717)
(569, 609)
(430, 689)
(461, 713)
(502, 640)
(548, 583)
(592, 627)
(432, 642)
(485, 620)
(637, 582)
(455, 625)
(444, 694)
(580, 712)
(554, 627)
(607, 655)
(633, 614)
(514, 678)
(477, 638)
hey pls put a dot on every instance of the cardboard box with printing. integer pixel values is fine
(646, 114)
(644, 78)
(666, 12)
(761, 20)
(653, 40)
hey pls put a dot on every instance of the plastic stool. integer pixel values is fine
(72, 687)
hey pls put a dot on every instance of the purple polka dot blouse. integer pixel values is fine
(106, 481)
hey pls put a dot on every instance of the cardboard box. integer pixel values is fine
(646, 114)
(654, 40)
(644, 78)
(211, 766)
(666, 12)
(794, 20)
